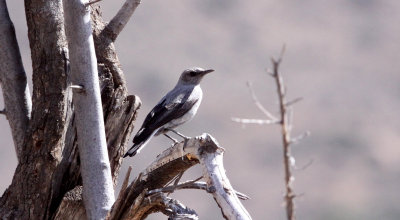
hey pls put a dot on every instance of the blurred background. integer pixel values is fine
(341, 56)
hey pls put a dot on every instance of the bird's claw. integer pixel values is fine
(173, 139)
(180, 135)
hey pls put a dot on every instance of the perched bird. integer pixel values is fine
(177, 107)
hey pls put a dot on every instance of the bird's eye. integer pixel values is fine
(192, 73)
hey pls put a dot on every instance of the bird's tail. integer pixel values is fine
(133, 150)
(139, 142)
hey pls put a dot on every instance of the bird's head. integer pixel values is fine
(193, 75)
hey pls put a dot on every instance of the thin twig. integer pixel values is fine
(171, 188)
(300, 137)
(258, 103)
(255, 121)
(289, 103)
(118, 203)
(3, 112)
(193, 185)
(126, 180)
(305, 166)
(286, 127)
(177, 179)
(91, 2)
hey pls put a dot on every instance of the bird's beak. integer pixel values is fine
(207, 71)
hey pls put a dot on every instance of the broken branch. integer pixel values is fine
(92, 2)
(114, 28)
(192, 185)
(160, 203)
(202, 149)
(255, 121)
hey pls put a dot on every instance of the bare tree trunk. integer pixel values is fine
(32, 182)
(98, 192)
(49, 166)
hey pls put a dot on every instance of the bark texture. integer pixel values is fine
(32, 181)
(158, 202)
(49, 166)
(17, 98)
(47, 182)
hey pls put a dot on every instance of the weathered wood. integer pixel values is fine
(17, 98)
(202, 149)
(50, 164)
(119, 108)
(32, 181)
(72, 207)
(98, 191)
(114, 28)
(158, 202)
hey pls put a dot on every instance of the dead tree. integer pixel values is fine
(70, 144)
(285, 122)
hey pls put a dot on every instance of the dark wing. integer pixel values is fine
(161, 114)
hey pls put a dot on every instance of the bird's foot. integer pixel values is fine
(173, 139)
(180, 135)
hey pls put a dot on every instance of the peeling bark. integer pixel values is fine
(158, 202)
(48, 178)
(202, 149)
(32, 182)
(50, 164)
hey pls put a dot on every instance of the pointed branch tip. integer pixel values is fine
(257, 102)
(91, 2)
(300, 137)
(3, 112)
(305, 166)
(255, 121)
(282, 53)
(78, 88)
(193, 184)
(118, 22)
(294, 101)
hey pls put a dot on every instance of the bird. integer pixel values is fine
(178, 106)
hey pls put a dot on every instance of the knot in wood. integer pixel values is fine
(211, 189)
(207, 148)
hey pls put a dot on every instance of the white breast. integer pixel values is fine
(197, 93)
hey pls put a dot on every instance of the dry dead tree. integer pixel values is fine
(203, 150)
(285, 121)
(73, 55)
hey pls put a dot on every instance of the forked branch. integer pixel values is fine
(202, 149)
(285, 121)
(286, 140)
